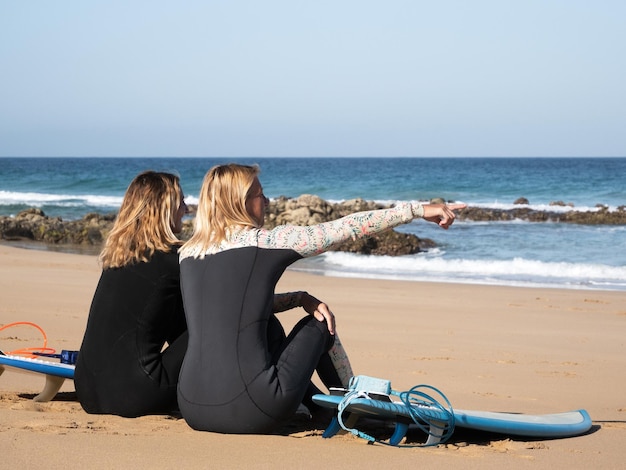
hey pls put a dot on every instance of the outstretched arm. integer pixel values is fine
(315, 239)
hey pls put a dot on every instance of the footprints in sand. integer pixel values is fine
(586, 304)
(553, 370)
(108, 425)
(429, 359)
(514, 448)
(491, 395)
(506, 361)
(564, 369)
(432, 358)
(556, 369)
(613, 424)
(556, 373)
(508, 445)
(64, 417)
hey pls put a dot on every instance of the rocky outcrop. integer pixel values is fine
(602, 216)
(34, 225)
(91, 230)
(308, 209)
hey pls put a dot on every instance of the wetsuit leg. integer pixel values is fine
(275, 337)
(325, 368)
(172, 357)
(329, 377)
(299, 356)
(327, 372)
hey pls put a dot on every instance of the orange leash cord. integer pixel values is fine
(29, 351)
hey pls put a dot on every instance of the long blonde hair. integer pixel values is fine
(221, 206)
(145, 221)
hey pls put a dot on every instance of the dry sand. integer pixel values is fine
(487, 348)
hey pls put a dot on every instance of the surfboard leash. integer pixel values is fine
(30, 352)
(427, 406)
(423, 410)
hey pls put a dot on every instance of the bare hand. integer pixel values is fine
(319, 310)
(441, 214)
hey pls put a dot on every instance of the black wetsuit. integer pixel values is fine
(233, 379)
(236, 377)
(122, 368)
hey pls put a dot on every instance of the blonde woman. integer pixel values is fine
(233, 379)
(136, 336)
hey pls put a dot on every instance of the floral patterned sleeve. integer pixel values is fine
(315, 239)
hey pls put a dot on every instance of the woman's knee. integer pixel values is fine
(329, 339)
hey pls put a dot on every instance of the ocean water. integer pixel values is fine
(507, 253)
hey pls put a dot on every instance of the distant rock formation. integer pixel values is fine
(33, 225)
(308, 209)
(602, 216)
(91, 230)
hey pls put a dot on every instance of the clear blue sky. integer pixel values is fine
(313, 78)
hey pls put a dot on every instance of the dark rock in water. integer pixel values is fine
(437, 200)
(389, 243)
(90, 231)
(33, 224)
(561, 204)
(600, 217)
(521, 200)
(308, 209)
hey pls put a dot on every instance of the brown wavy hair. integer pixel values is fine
(221, 205)
(145, 220)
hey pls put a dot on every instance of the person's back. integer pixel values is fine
(228, 300)
(136, 338)
(135, 310)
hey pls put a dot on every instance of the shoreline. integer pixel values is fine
(66, 248)
(91, 250)
(496, 348)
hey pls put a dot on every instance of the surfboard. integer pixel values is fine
(55, 372)
(558, 425)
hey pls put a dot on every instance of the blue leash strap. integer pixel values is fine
(348, 397)
(433, 416)
(427, 406)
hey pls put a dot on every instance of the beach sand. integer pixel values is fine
(490, 348)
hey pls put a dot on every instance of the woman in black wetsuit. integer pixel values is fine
(123, 367)
(234, 378)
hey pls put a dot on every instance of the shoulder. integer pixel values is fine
(163, 261)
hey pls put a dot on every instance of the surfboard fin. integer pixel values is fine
(52, 387)
(436, 433)
(335, 428)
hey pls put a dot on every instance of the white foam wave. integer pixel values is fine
(517, 271)
(496, 205)
(537, 207)
(76, 200)
(64, 200)
(67, 200)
